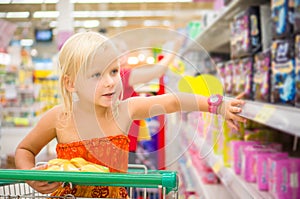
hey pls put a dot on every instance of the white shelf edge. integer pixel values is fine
(234, 183)
(279, 117)
(209, 190)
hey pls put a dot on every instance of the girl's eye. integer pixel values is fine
(96, 75)
(115, 71)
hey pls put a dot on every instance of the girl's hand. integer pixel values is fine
(43, 187)
(230, 108)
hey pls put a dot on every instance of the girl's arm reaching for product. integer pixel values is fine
(32, 144)
(145, 107)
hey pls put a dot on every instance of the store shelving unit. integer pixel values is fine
(235, 184)
(276, 116)
(216, 36)
(208, 190)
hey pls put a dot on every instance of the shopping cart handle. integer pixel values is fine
(149, 180)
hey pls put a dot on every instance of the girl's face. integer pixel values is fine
(101, 83)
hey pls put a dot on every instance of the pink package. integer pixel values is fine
(262, 167)
(237, 148)
(249, 162)
(286, 177)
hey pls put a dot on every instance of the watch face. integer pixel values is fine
(214, 99)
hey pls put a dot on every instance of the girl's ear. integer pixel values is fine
(69, 84)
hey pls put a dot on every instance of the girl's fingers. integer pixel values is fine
(240, 96)
(235, 109)
(40, 167)
(46, 187)
(238, 118)
(231, 124)
(236, 102)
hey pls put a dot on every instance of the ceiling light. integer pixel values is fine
(87, 23)
(111, 14)
(150, 60)
(166, 23)
(17, 15)
(2, 14)
(129, 1)
(132, 60)
(27, 1)
(141, 57)
(118, 23)
(45, 14)
(151, 23)
(4, 1)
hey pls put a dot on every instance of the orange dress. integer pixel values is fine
(111, 151)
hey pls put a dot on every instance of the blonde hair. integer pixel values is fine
(76, 54)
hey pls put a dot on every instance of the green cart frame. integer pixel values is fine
(161, 182)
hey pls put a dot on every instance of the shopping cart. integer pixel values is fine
(140, 182)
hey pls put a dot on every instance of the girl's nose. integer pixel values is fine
(109, 81)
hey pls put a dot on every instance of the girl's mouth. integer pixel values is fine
(109, 94)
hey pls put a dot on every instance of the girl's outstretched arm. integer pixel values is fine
(145, 107)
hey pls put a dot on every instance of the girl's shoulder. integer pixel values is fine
(53, 113)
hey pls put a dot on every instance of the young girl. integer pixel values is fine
(95, 125)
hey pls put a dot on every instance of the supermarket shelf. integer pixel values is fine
(215, 37)
(208, 190)
(234, 183)
(276, 116)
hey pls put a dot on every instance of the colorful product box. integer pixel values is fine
(284, 177)
(283, 72)
(296, 16)
(297, 57)
(246, 33)
(262, 168)
(249, 161)
(229, 76)
(282, 18)
(246, 65)
(237, 151)
(262, 77)
(221, 73)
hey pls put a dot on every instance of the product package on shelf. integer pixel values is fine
(249, 159)
(245, 36)
(246, 65)
(283, 72)
(237, 150)
(221, 72)
(262, 167)
(282, 18)
(229, 77)
(228, 136)
(296, 16)
(297, 58)
(217, 136)
(284, 175)
(262, 76)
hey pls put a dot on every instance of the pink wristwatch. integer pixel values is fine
(214, 101)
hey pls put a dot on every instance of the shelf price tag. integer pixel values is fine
(265, 113)
(217, 166)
